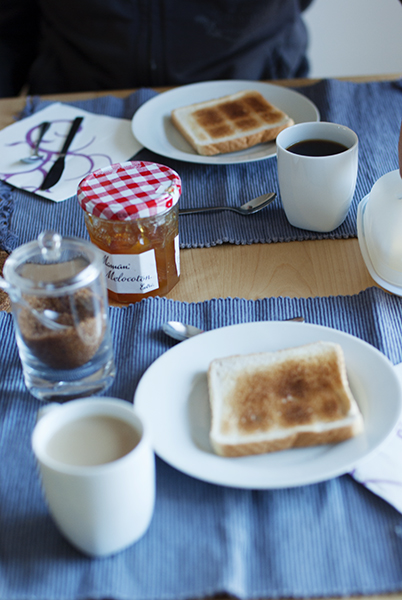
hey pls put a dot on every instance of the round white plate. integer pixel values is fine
(172, 397)
(152, 127)
(390, 287)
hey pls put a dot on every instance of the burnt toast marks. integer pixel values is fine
(299, 393)
(236, 116)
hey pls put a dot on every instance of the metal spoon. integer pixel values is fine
(182, 331)
(35, 154)
(251, 207)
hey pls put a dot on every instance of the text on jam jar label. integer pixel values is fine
(131, 273)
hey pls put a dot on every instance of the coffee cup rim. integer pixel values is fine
(318, 126)
(52, 420)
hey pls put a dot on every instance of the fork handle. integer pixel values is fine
(42, 130)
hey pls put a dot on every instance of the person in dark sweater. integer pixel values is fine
(53, 46)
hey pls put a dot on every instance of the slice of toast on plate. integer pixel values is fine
(230, 123)
(273, 401)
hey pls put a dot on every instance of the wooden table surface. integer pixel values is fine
(294, 269)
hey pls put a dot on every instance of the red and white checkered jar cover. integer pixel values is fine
(131, 190)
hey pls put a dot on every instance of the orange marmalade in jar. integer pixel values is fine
(131, 214)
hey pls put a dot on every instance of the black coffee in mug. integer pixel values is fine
(317, 148)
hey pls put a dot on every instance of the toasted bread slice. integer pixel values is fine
(230, 123)
(277, 400)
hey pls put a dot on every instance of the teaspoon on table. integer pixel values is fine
(182, 331)
(35, 154)
(249, 208)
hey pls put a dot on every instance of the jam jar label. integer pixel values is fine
(131, 273)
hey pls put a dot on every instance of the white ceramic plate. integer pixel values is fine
(172, 396)
(394, 289)
(153, 128)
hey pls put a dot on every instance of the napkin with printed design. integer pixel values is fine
(100, 142)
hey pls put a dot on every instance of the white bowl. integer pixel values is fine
(379, 227)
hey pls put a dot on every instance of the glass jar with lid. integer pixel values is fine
(61, 319)
(131, 214)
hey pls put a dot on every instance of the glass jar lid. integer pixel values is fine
(53, 265)
(130, 190)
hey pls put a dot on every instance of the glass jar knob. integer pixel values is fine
(50, 245)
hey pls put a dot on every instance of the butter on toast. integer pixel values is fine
(230, 123)
(272, 401)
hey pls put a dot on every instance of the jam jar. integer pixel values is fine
(131, 214)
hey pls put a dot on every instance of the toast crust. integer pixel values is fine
(230, 123)
(298, 440)
(277, 400)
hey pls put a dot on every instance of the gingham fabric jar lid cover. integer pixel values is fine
(130, 190)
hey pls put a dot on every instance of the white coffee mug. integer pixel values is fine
(98, 472)
(317, 191)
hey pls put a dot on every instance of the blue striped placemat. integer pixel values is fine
(330, 539)
(371, 109)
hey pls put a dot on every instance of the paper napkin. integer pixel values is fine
(101, 141)
(382, 472)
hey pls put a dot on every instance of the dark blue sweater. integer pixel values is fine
(76, 45)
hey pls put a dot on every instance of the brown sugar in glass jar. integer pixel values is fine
(131, 214)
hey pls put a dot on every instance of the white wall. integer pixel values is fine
(354, 37)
